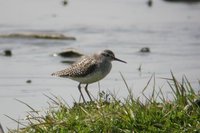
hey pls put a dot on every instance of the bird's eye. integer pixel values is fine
(105, 54)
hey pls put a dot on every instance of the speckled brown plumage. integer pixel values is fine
(81, 68)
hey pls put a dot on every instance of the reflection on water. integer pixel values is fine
(171, 31)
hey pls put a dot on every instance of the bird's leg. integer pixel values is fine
(79, 88)
(86, 89)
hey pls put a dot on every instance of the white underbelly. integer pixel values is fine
(91, 78)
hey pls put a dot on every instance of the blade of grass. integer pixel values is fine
(129, 90)
(161, 96)
(147, 84)
(17, 121)
(148, 99)
(124, 81)
(190, 86)
(175, 84)
(154, 88)
(27, 105)
(1, 129)
(173, 90)
(55, 102)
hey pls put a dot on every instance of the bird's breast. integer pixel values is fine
(100, 72)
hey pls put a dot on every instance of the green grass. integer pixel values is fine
(110, 115)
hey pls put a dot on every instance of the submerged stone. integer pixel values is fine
(28, 81)
(7, 52)
(71, 53)
(149, 3)
(64, 2)
(39, 35)
(145, 50)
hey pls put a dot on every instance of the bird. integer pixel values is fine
(89, 69)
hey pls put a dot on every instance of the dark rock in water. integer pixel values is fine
(28, 81)
(64, 2)
(72, 53)
(149, 3)
(7, 52)
(145, 50)
(38, 35)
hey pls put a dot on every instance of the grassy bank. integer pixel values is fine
(110, 115)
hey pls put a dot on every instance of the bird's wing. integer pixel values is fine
(79, 69)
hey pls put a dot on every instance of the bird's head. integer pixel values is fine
(108, 54)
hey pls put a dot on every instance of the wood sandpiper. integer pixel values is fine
(89, 69)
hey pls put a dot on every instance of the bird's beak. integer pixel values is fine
(116, 59)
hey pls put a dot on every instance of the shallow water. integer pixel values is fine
(170, 30)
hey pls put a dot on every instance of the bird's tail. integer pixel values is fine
(61, 73)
